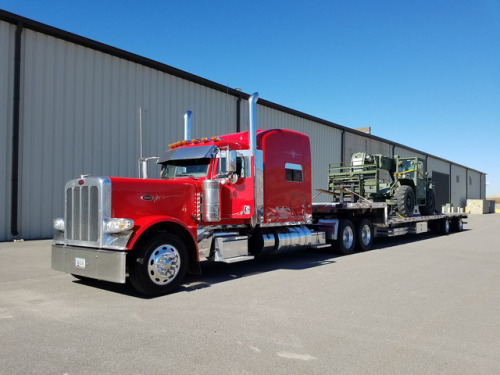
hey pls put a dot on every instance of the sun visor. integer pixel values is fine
(198, 152)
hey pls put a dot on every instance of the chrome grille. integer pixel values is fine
(82, 213)
(86, 208)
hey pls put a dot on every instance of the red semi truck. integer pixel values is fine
(225, 199)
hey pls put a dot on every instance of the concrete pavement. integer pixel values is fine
(419, 305)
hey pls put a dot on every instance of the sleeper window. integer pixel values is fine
(293, 172)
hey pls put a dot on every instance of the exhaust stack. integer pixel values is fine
(252, 132)
(187, 125)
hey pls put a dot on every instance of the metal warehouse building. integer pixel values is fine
(69, 106)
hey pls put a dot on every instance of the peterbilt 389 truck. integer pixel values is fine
(227, 199)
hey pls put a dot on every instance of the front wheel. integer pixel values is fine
(405, 198)
(159, 265)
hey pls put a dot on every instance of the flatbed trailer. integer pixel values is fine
(352, 226)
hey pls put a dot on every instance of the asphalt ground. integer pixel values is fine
(421, 304)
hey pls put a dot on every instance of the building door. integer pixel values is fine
(441, 188)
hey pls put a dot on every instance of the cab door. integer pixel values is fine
(237, 198)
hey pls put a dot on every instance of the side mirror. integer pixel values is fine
(230, 161)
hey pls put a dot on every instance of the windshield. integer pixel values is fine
(185, 168)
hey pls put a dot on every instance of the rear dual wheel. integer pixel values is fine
(457, 225)
(364, 235)
(351, 238)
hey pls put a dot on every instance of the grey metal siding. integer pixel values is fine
(458, 186)
(405, 152)
(325, 141)
(7, 38)
(80, 115)
(437, 165)
(473, 185)
(359, 143)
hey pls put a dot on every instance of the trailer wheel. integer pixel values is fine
(345, 238)
(457, 225)
(364, 235)
(445, 226)
(405, 198)
(160, 265)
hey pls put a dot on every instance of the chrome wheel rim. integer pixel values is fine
(366, 235)
(164, 264)
(347, 237)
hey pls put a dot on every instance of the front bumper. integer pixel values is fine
(92, 263)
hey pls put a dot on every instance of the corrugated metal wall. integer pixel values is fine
(458, 186)
(405, 152)
(358, 143)
(7, 36)
(473, 185)
(326, 142)
(437, 165)
(80, 115)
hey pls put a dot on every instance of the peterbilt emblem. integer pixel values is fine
(147, 197)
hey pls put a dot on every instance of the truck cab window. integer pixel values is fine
(185, 168)
(242, 166)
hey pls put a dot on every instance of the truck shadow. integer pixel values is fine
(388, 242)
(213, 273)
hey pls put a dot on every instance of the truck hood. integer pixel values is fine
(138, 198)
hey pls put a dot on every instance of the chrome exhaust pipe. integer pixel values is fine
(187, 125)
(252, 118)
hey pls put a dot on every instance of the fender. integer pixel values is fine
(143, 224)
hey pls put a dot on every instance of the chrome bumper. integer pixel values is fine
(93, 263)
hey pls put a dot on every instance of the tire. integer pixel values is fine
(364, 235)
(457, 225)
(430, 204)
(345, 242)
(159, 265)
(405, 198)
(444, 227)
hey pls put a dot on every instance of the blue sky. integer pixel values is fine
(422, 73)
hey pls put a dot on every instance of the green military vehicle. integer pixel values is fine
(398, 181)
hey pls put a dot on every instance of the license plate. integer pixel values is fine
(80, 263)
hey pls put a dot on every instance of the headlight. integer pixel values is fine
(59, 224)
(118, 225)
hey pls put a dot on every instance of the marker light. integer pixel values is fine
(59, 224)
(118, 225)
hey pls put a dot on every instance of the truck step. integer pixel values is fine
(237, 259)
(320, 246)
